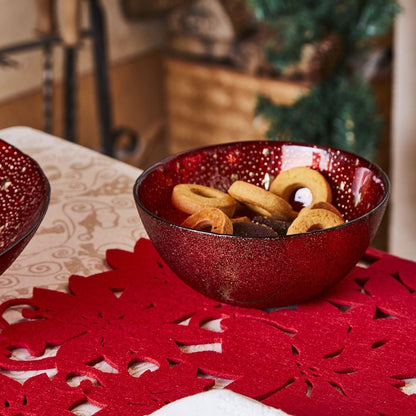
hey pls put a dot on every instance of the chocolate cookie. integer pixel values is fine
(279, 226)
(251, 229)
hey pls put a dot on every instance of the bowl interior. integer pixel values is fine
(24, 196)
(358, 186)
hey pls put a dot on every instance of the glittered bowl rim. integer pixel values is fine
(46, 199)
(156, 165)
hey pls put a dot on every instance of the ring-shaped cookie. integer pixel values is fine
(313, 220)
(209, 219)
(322, 205)
(191, 198)
(261, 201)
(289, 181)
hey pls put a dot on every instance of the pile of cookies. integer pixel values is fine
(271, 213)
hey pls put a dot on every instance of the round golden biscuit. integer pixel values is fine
(289, 181)
(261, 201)
(209, 219)
(191, 198)
(322, 205)
(244, 218)
(313, 220)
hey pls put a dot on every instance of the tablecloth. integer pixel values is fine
(91, 210)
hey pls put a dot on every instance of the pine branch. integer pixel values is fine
(338, 112)
(341, 110)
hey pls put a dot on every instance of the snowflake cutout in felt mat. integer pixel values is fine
(134, 338)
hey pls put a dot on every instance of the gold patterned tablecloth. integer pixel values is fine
(91, 210)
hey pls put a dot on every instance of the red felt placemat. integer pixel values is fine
(346, 353)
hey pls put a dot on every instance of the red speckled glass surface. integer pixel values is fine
(262, 271)
(24, 198)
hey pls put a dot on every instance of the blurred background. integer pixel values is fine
(139, 80)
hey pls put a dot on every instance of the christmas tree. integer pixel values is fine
(340, 108)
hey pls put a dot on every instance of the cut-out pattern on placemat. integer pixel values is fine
(132, 339)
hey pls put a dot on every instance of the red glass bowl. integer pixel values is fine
(24, 200)
(263, 271)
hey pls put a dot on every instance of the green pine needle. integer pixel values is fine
(339, 111)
